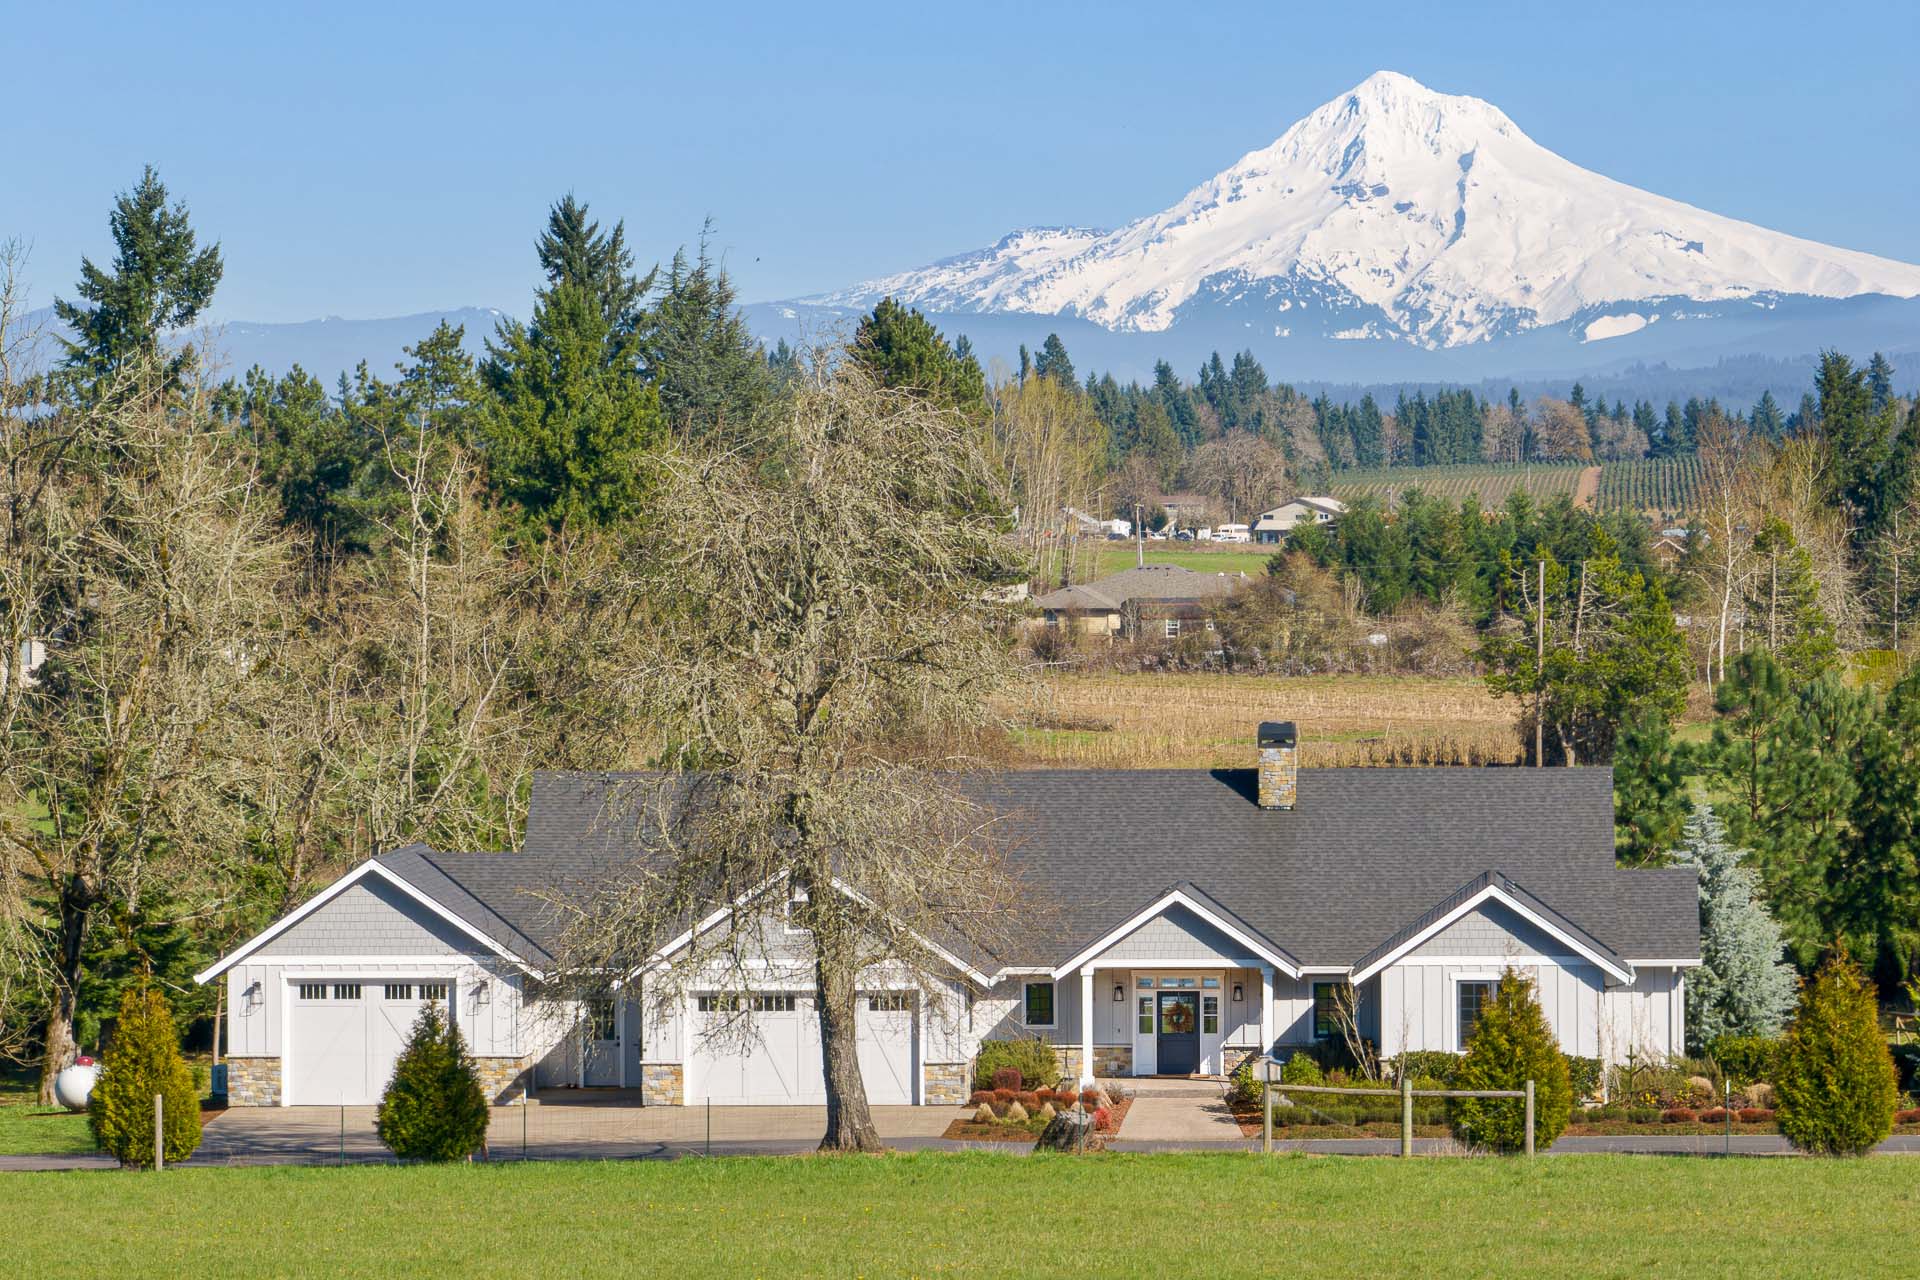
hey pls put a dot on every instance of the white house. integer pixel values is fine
(1274, 525)
(1197, 917)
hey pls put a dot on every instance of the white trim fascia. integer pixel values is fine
(659, 958)
(1471, 904)
(1171, 898)
(1019, 971)
(1306, 969)
(1669, 964)
(335, 961)
(368, 868)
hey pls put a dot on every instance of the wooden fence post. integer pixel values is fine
(1406, 1111)
(1529, 1117)
(1266, 1107)
(159, 1131)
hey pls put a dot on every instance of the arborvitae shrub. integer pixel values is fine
(434, 1108)
(1834, 1083)
(1511, 1045)
(142, 1060)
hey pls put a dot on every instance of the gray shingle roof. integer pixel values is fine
(1150, 582)
(1365, 856)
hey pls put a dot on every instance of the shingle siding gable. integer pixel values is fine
(371, 918)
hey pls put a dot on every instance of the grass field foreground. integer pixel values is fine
(29, 1129)
(987, 1215)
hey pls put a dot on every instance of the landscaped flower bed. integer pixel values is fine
(1021, 1115)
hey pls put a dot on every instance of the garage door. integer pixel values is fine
(764, 1050)
(345, 1036)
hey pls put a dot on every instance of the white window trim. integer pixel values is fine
(1041, 1026)
(1492, 979)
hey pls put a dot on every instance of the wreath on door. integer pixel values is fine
(1176, 1018)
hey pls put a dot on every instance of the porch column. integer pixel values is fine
(1086, 1027)
(1266, 1008)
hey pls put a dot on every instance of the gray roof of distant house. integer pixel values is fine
(1364, 860)
(1149, 582)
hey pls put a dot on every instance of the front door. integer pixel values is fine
(1179, 1039)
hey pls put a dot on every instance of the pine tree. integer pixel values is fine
(143, 1061)
(433, 1108)
(1836, 1085)
(160, 282)
(571, 423)
(1512, 1044)
(1879, 383)
(699, 353)
(574, 251)
(1846, 419)
(1743, 987)
(1649, 791)
(901, 348)
(1783, 600)
(1766, 418)
(1052, 362)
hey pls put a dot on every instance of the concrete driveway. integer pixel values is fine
(590, 1125)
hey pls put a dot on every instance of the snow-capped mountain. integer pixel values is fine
(1395, 212)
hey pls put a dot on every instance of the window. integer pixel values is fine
(1039, 1004)
(1146, 1015)
(773, 1003)
(313, 991)
(399, 991)
(346, 991)
(1326, 1010)
(1210, 982)
(1176, 982)
(890, 1002)
(718, 1004)
(1173, 628)
(1145, 984)
(603, 1020)
(797, 897)
(1210, 1015)
(1473, 997)
(433, 991)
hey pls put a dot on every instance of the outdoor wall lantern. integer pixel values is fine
(1119, 993)
(254, 996)
(1239, 992)
(482, 993)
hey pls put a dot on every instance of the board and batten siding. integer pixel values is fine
(257, 996)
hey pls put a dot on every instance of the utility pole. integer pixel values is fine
(1540, 677)
(1139, 540)
(1773, 601)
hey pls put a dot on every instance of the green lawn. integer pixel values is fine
(1216, 1215)
(29, 1129)
(1241, 560)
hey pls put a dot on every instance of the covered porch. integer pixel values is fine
(1180, 988)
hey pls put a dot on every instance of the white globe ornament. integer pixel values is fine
(72, 1086)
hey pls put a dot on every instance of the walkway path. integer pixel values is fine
(1178, 1111)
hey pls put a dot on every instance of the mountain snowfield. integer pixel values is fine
(1395, 212)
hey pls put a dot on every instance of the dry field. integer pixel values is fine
(1208, 721)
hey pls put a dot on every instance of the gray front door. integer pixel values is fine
(1179, 1034)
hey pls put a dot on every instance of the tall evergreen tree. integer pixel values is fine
(1052, 362)
(1766, 417)
(1649, 791)
(160, 281)
(1743, 987)
(901, 348)
(574, 251)
(1846, 418)
(697, 349)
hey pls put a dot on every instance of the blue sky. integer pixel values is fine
(367, 160)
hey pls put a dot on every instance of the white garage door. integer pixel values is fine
(345, 1036)
(764, 1050)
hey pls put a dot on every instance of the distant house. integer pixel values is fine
(1187, 510)
(1160, 600)
(1232, 531)
(1094, 527)
(1274, 525)
(1670, 546)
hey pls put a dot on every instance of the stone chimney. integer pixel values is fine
(1279, 764)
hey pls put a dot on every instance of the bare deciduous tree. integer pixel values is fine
(820, 643)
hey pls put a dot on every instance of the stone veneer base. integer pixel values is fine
(947, 1083)
(253, 1082)
(504, 1079)
(662, 1084)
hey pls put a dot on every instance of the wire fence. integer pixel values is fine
(1406, 1094)
(562, 1124)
